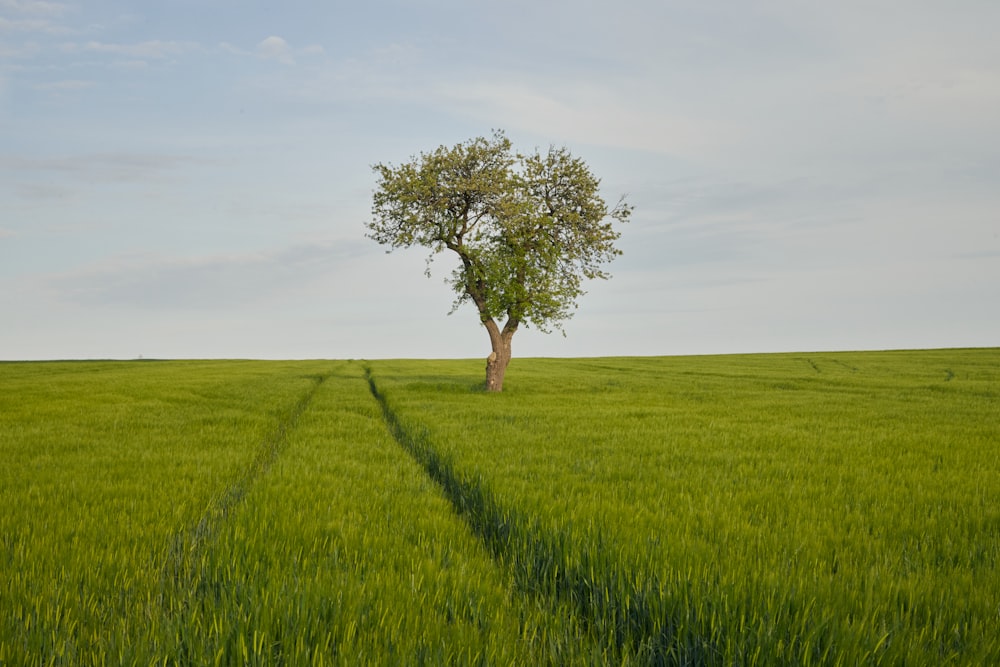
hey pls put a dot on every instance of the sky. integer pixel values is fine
(192, 178)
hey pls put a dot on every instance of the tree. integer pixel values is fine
(527, 229)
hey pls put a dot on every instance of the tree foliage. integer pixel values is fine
(527, 228)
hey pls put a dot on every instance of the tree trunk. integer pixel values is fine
(496, 363)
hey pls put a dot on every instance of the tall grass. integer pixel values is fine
(778, 509)
(103, 465)
(746, 510)
(346, 553)
(238, 513)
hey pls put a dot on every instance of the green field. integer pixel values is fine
(827, 508)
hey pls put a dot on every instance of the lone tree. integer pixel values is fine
(526, 228)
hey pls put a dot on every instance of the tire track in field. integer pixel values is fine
(618, 607)
(181, 571)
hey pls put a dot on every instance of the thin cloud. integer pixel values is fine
(276, 48)
(68, 85)
(586, 113)
(44, 26)
(979, 255)
(152, 49)
(232, 49)
(24, 16)
(34, 7)
(22, 25)
(20, 52)
(210, 282)
(102, 167)
(44, 193)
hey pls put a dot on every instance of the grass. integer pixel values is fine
(771, 509)
(347, 554)
(748, 509)
(105, 466)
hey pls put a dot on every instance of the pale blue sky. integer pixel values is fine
(191, 178)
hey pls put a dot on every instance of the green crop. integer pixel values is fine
(767, 509)
(238, 513)
(345, 553)
(105, 465)
(756, 509)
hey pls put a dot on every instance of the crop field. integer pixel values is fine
(827, 509)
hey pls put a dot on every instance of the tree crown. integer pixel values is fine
(527, 228)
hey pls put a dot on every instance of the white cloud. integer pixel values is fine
(43, 193)
(102, 167)
(587, 113)
(64, 86)
(32, 17)
(232, 49)
(275, 48)
(224, 281)
(34, 7)
(24, 25)
(130, 65)
(155, 49)
(21, 51)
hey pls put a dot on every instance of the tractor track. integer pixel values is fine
(182, 569)
(533, 557)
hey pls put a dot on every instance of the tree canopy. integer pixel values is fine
(526, 228)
